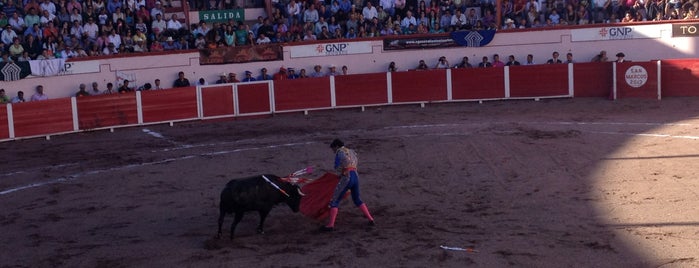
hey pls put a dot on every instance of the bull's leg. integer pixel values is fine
(263, 216)
(236, 220)
(221, 216)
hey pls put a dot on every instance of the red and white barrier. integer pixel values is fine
(618, 80)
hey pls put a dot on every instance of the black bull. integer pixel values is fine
(256, 194)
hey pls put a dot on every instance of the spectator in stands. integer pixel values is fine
(345, 70)
(125, 87)
(485, 63)
(554, 59)
(530, 60)
(95, 89)
(421, 66)
(24, 57)
(332, 70)
(82, 91)
(281, 75)
(110, 89)
(39, 95)
(110, 49)
(17, 23)
(8, 35)
(5, 57)
(309, 36)
(174, 26)
(511, 61)
(169, 44)
(442, 63)
(248, 77)
(3, 97)
(223, 79)
(19, 98)
(90, 29)
(620, 57)
(464, 63)
(569, 58)
(156, 85)
(16, 49)
(232, 78)
(292, 74)
(317, 71)
(302, 73)
(311, 14)
(159, 25)
(181, 81)
(601, 57)
(262, 39)
(264, 75)
(496, 61)
(201, 82)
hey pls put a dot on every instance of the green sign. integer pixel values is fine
(222, 15)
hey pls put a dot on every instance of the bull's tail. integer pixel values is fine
(222, 212)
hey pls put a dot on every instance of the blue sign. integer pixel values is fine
(473, 38)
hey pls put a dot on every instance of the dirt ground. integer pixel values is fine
(554, 183)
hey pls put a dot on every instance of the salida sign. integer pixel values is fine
(636, 76)
(222, 15)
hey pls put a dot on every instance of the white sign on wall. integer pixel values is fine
(620, 32)
(636, 76)
(330, 49)
(81, 67)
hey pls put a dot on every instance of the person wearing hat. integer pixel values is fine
(223, 79)
(248, 77)
(264, 75)
(620, 57)
(232, 78)
(292, 73)
(346, 165)
(281, 75)
(169, 44)
(317, 72)
(332, 70)
(509, 24)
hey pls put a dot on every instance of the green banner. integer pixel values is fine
(222, 15)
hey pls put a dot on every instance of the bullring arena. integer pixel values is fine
(582, 182)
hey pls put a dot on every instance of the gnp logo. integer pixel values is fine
(616, 33)
(332, 49)
(636, 76)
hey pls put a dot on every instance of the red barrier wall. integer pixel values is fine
(361, 89)
(477, 83)
(593, 79)
(217, 100)
(417, 86)
(637, 80)
(539, 80)
(42, 117)
(680, 77)
(253, 98)
(298, 94)
(4, 128)
(107, 110)
(171, 104)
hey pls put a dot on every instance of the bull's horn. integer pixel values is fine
(300, 193)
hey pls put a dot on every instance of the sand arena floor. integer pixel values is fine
(555, 183)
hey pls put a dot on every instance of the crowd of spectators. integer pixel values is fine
(40, 29)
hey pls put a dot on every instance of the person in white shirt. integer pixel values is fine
(39, 95)
(46, 17)
(91, 29)
(389, 6)
(369, 11)
(48, 6)
(262, 39)
(159, 24)
(8, 35)
(114, 38)
(158, 9)
(458, 20)
(173, 23)
(408, 20)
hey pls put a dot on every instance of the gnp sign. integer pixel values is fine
(637, 80)
(619, 33)
(330, 49)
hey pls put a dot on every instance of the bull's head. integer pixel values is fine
(294, 199)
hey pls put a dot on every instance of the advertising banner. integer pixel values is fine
(225, 55)
(685, 30)
(403, 43)
(619, 32)
(330, 49)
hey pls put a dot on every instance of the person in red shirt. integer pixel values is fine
(281, 75)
